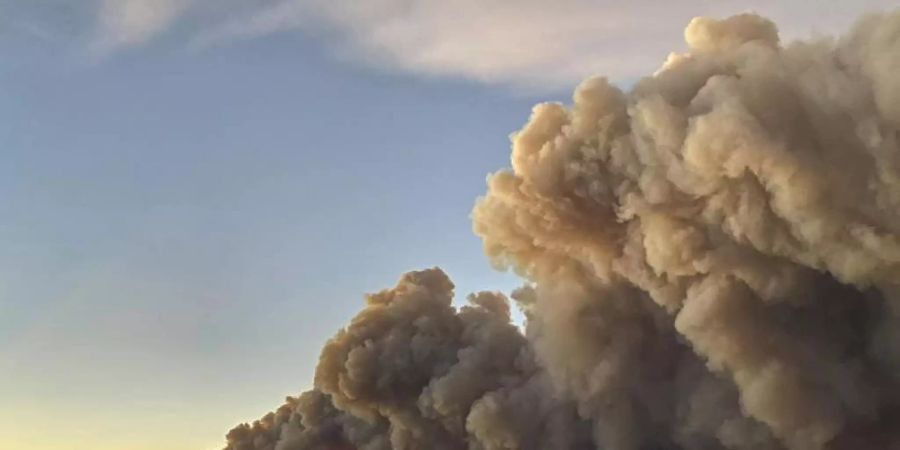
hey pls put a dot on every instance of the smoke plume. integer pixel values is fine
(713, 261)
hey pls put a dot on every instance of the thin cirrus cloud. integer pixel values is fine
(127, 23)
(525, 43)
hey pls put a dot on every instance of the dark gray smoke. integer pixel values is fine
(714, 260)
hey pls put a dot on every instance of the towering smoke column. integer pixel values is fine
(714, 261)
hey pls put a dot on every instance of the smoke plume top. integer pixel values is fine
(713, 261)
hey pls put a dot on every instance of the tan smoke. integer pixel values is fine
(714, 261)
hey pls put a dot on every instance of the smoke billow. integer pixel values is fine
(714, 263)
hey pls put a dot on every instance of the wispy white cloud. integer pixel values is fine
(531, 43)
(127, 23)
(526, 42)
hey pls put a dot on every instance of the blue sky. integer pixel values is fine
(195, 195)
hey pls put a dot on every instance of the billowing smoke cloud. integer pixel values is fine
(714, 261)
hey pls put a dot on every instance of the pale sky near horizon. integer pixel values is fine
(195, 194)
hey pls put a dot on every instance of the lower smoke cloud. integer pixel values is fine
(713, 262)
